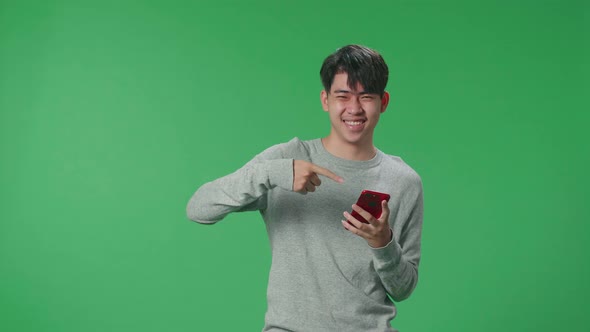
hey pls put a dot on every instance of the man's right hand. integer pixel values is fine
(305, 176)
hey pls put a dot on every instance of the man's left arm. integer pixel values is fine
(396, 253)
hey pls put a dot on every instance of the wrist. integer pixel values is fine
(382, 242)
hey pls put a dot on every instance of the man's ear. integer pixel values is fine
(384, 101)
(324, 100)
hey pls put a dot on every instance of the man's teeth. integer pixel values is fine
(353, 123)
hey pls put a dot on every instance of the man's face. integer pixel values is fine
(354, 113)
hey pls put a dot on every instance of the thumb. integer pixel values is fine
(384, 208)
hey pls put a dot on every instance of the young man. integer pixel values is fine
(329, 271)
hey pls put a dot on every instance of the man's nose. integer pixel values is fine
(354, 106)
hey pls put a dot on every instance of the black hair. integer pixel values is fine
(362, 64)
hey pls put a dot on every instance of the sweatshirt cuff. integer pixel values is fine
(280, 173)
(390, 254)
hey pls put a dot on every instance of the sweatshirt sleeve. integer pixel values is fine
(243, 190)
(397, 262)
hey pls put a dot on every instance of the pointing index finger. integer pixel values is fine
(325, 172)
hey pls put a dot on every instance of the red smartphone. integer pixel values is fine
(370, 201)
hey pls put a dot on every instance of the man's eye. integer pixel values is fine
(367, 97)
(340, 97)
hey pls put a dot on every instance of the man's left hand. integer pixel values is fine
(376, 232)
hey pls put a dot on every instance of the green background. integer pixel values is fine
(113, 113)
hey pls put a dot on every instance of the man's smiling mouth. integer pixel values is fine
(354, 123)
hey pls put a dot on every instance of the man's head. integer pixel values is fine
(363, 65)
(354, 79)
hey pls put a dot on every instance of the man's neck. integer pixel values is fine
(344, 150)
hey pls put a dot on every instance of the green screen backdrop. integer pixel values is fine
(112, 113)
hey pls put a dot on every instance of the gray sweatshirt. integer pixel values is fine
(322, 277)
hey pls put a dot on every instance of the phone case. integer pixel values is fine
(370, 201)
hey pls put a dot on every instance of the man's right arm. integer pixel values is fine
(243, 190)
(246, 188)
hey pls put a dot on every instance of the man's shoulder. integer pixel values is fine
(294, 148)
(401, 169)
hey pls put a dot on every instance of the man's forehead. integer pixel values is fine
(344, 87)
(340, 84)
